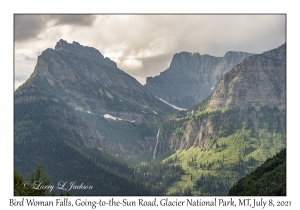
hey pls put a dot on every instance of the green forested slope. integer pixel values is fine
(43, 136)
(269, 179)
(241, 142)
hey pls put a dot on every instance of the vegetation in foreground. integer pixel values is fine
(269, 179)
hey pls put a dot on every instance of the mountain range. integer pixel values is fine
(84, 119)
(192, 77)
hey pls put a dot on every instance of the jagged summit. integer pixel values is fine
(191, 61)
(81, 50)
(185, 53)
(77, 48)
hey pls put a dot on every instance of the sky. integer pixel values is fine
(143, 45)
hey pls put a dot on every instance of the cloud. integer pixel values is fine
(76, 20)
(143, 45)
(132, 64)
(157, 64)
(30, 26)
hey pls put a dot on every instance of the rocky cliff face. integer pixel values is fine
(81, 77)
(258, 81)
(203, 131)
(191, 77)
(75, 90)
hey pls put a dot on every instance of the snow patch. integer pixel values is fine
(88, 112)
(108, 116)
(144, 112)
(120, 100)
(78, 108)
(175, 107)
(154, 112)
(145, 106)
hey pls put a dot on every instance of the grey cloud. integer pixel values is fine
(30, 26)
(153, 65)
(76, 20)
(156, 64)
(219, 34)
(21, 78)
(29, 59)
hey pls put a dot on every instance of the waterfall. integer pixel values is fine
(155, 148)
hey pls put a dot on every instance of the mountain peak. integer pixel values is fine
(77, 48)
(184, 53)
(191, 77)
(81, 50)
(235, 53)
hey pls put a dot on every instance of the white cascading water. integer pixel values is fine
(157, 138)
